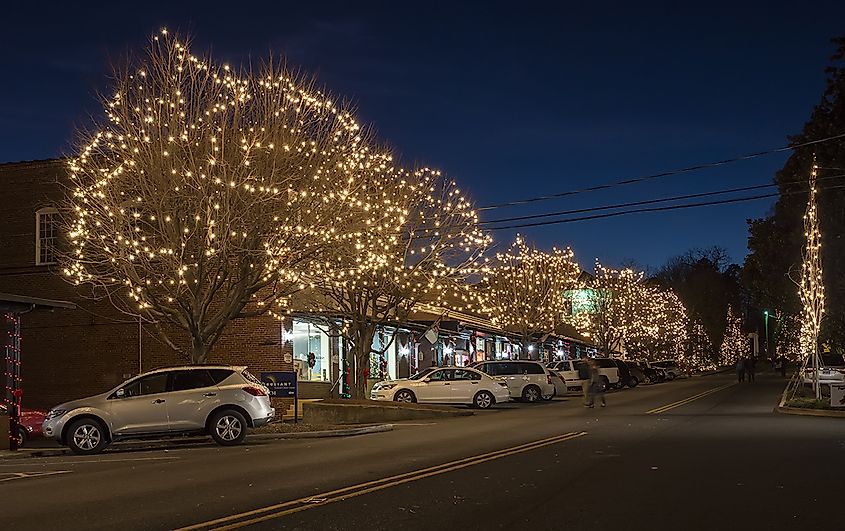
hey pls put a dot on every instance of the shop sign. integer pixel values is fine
(837, 395)
(280, 384)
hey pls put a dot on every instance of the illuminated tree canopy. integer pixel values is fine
(207, 195)
(525, 290)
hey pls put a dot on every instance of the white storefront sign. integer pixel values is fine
(837, 395)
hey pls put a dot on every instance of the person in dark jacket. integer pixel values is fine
(740, 370)
(750, 367)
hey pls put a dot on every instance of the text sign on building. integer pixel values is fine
(837, 395)
(581, 300)
(280, 384)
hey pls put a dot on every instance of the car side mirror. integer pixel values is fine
(120, 393)
(426, 380)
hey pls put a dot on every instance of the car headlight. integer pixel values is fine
(386, 387)
(53, 413)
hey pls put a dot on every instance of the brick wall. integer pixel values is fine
(69, 354)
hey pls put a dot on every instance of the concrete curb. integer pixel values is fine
(786, 410)
(807, 412)
(346, 432)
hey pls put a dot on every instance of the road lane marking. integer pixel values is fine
(272, 512)
(26, 475)
(685, 401)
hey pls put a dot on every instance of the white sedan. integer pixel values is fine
(447, 385)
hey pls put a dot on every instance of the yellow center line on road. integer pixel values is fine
(685, 401)
(271, 512)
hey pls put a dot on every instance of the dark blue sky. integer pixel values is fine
(512, 99)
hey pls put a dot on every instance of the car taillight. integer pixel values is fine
(254, 391)
(549, 379)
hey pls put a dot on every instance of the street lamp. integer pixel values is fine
(766, 315)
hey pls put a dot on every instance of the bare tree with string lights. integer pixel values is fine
(207, 194)
(811, 286)
(418, 243)
(524, 291)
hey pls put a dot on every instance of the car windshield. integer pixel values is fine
(422, 373)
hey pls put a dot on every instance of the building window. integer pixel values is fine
(46, 235)
(311, 352)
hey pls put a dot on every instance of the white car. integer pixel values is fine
(526, 380)
(447, 385)
(831, 371)
(568, 370)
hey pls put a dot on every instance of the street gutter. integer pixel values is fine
(25, 453)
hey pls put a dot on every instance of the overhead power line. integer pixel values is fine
(654, 209)
(652, 201)
(663, 174)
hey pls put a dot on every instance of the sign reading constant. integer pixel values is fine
(280, 384)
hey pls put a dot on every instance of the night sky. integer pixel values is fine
(511, 99)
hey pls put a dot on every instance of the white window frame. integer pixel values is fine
(38, 213)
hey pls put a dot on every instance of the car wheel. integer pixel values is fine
(87, 436)
(633, 382)
(670, 376)
(404, 396)
(531, 393)
(21, 437)
(228, 427)
(483, 400)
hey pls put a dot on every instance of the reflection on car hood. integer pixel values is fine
(398, 380)
(90, 401)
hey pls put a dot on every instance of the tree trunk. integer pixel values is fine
(199, 351)
(363, 334)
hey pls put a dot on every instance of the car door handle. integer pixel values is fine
(209, 395)
(158, 401)
(474, 383)
(447, 383)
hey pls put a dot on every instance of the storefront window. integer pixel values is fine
(311, 356)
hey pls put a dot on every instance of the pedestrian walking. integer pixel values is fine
(583, 367)
(750, 367)
(596, 385)
(740, 370)
(782, 366)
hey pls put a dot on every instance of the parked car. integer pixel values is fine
(568, 370)
(831, 369)
(609, 371)
(652, 376)
(559, 383)
(447, 385)
(218, 400)
(526, 380)
(629, 374)
(29, 424)
(670, 368)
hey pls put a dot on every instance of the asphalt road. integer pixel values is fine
(700, 453)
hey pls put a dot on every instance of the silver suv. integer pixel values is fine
(219, 400)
